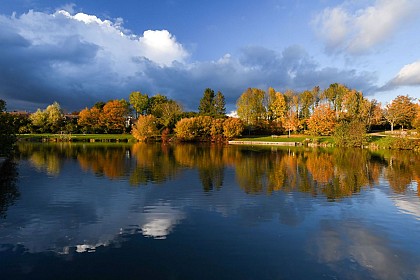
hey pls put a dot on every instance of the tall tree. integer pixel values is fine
(139, 102)
(155, 102)
(334, 95)
(206, 106)
(250, 106)
(220, 105)
(401, 111)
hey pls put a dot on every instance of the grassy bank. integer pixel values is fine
(50, 137)
(321, 140)
(375, 141)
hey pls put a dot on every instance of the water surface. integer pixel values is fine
(152, 211)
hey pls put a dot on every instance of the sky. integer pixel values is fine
(80, 52)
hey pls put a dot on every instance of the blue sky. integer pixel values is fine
(81, 52)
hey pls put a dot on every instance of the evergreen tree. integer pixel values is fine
(220, 105)
(206, 106)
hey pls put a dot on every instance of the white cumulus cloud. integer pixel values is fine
(357, 30)
(409, 75)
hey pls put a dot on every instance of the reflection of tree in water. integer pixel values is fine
(109, 160)
(45, 157)
(8, 186)
(402, 170)
(337, 174)
(209, 160)
(154, 163)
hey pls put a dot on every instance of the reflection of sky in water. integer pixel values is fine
(371, 233)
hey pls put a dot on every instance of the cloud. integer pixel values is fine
(409, 75)
(80, 59)
(346, 28)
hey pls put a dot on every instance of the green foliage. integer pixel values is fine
(139, 102)
(206, 106)
(350, 134)
(48, 120)
(211, 104)
(250, 106)
(7, 131)
(220, 105)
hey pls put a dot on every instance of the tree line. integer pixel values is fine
(337, 110)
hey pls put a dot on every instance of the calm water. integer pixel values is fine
(88, 211)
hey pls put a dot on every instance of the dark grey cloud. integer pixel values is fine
(79, 60)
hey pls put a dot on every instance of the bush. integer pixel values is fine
(350, 134)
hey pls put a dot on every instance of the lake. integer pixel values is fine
(153, 211)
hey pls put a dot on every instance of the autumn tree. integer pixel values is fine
(145, 128)
(48, 120)
(322, 121)
(416, 121)
(114, 115)
(216, 131)
(139, 102)
(401, 111)
(278, 107)
(38, 121)
(90, 120)
(334, 95)
(55, 117)
(185, 129)
(232, 127)
(250, 106)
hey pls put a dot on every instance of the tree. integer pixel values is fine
(169, 112)
(350, 134)
(139, 102)
(145, 128)
(232, 127)
(322, 121)
(185, 129)
(7, 131)
(250, 106)
(334, 95)
(39, 121)
(416, 121)
(55, 117)
(401, 111)
(216, 131)
(154, 107)
(220, 105)
(278, 107)
(49, 120)
(114, 116)
(206, 106)
(90, 120)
